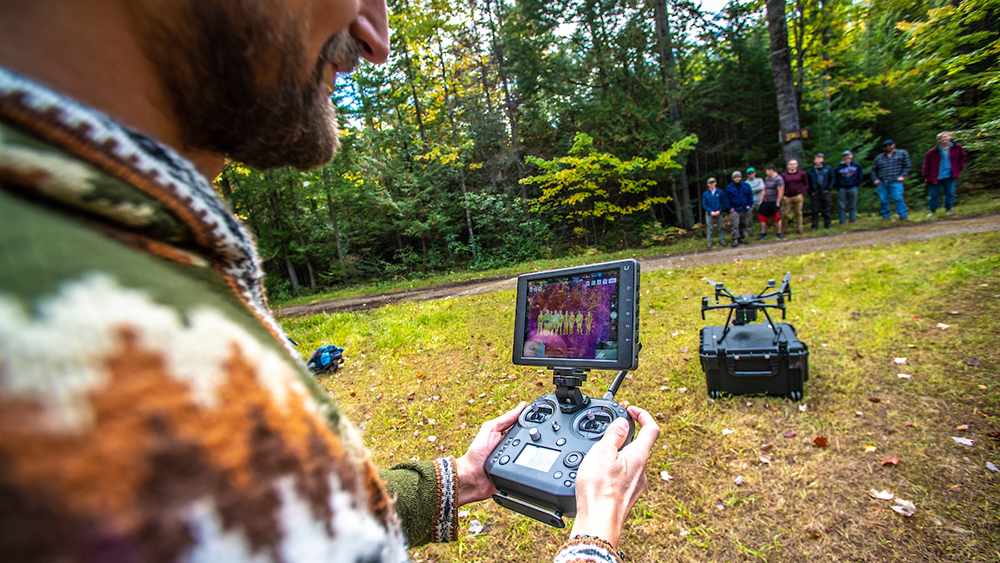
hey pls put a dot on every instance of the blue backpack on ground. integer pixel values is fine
(326, 359)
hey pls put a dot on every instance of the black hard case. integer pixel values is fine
(752, 360)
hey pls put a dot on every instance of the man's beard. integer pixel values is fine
(240, 85)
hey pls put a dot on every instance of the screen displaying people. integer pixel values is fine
(573, 317)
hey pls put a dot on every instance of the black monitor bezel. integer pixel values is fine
(628, 298)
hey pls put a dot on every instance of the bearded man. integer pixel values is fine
(151, 409)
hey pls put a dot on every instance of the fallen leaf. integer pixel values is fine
(856, 315)
(874, 399)
(353, 394)
(674, 334)
(660, 416)
(463, 426)
(738, 480)
(749, 404)
(992, 467)
(903, 375)
(905, 507)
(665, 476)
(901, 361)
(963, 441)
(911, 345)
(790, 434)
(815, 536)
(432, 438)
(859, 354)
(820, 441)
(859, 413)
(368, 416)
(684, 532)
(870, 448)
(766, 447)
(974, 362)
(802, 408)
(664, 387)
(956, 313)
(765, 458)
(890, 459)
(475, 526)
(687, 358)
(463, 513)
(994, 435)
(881, 495)
(908, 425)
(918, 319)
(942, 326)
(726, 431)
(962, 427)
(719, 505)
(682, 390)
(683, 350)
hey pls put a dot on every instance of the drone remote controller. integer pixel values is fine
(535, 465)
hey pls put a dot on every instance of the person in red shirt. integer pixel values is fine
(796, 185)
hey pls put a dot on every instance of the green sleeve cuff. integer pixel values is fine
(426, 494)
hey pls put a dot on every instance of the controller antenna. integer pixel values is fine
(610, 395)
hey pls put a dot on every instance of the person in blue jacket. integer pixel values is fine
(739, 196)
(714, 202)
(847, 177)
(820, 184)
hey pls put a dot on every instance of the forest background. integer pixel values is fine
(501, 131)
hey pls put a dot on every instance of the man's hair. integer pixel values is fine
(771, 167)
(943, 133)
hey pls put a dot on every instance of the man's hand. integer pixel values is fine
(611, 481)
(900, 179)
(877, 181)
(473, 482)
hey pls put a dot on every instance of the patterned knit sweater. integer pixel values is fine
(151, 409)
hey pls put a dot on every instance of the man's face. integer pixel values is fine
(847, 158)
(945, 139)
(251, 79)
(737, 179)
(889, 147)
(751, 174)
(793, 165)
(771, 172)
(711, 185)
(818, 161)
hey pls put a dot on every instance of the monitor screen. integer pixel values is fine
(537, 458)
(573, 316)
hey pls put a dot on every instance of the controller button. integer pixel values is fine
(555, 426)
(561, 442)
(568, 483)
(504, 460)
(516, 443)
(572, 474)
(508, 440)
(534, 435)
(557, 475)
(573, 459)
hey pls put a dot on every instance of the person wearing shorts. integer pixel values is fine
(770, 202)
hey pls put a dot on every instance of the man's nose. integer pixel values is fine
(371, 30)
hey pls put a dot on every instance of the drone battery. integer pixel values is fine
(753, 360)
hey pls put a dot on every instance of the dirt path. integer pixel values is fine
(898, 232)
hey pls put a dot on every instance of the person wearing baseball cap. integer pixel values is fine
(757, 185)
(848, 176)
(739, 196)
(714, 203)
(888, 172)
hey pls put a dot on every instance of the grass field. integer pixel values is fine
(439, 369)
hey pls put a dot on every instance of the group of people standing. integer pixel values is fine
(780, 197)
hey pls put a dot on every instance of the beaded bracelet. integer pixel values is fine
(620, 553)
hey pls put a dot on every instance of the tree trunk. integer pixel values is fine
(781, 69)
(668, 63)
(510, 105)
(276, 206)
(458, 147)
(227, 191)
(336, 227)
(416, 98)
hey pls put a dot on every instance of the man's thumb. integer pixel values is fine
(616, 433)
